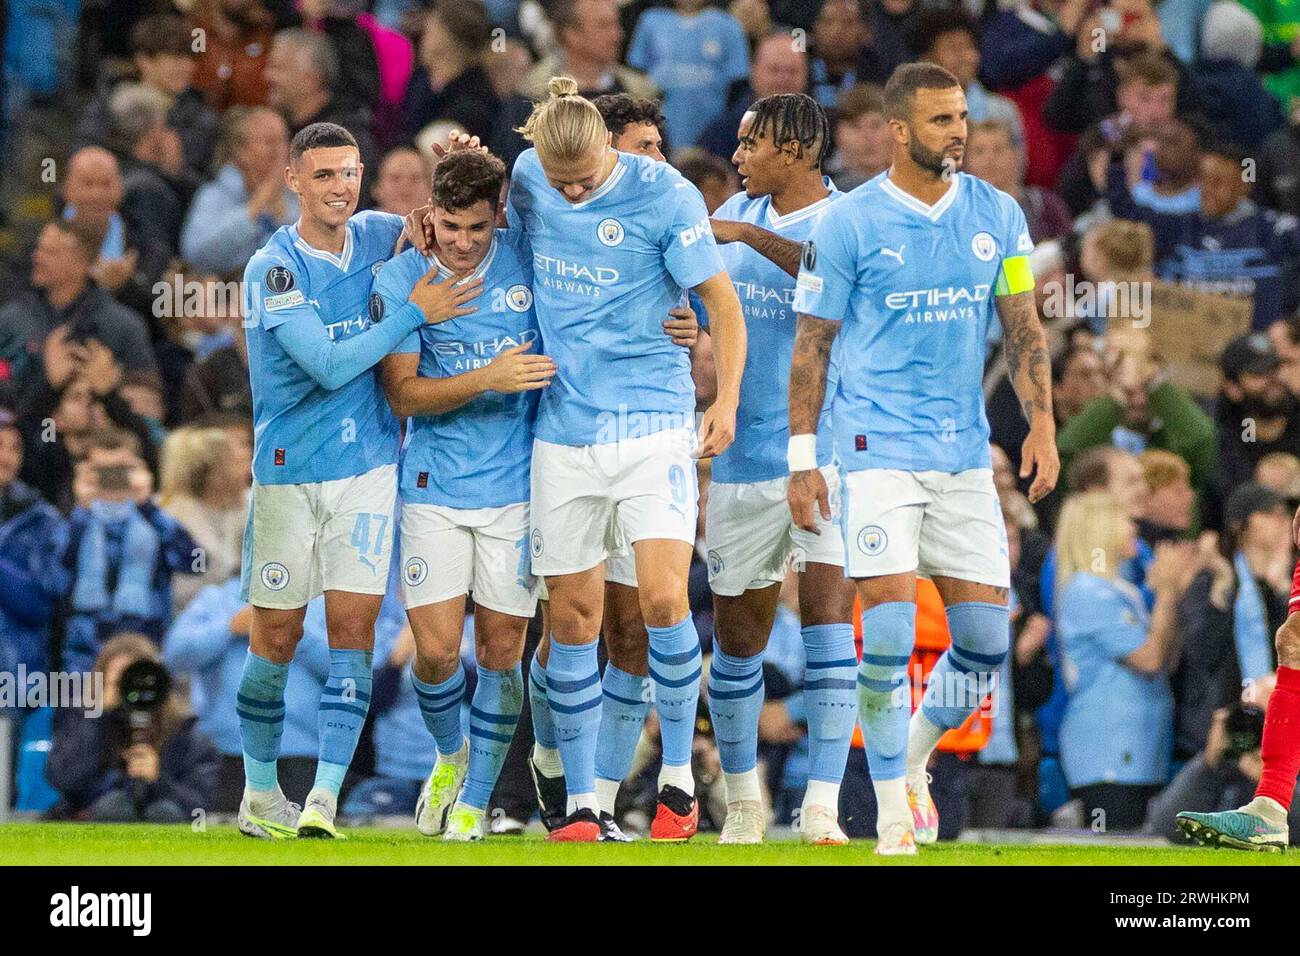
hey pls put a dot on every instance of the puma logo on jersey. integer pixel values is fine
(885, 251)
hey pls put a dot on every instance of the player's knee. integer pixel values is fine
(627, 644)
(664, 605)
(277, 638)
(1287, 641)
(435, 664)
(576, 618)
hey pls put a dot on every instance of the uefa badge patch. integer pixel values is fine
(414, 571)
(983, 246)
(519, 298)
(809, 255)
(274, 576)
(715, 564)
(872, 540)
(535, 543)
(376, 308)
(278, 280)
(375, 267)
(610, 232)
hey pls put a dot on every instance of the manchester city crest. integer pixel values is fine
(872, 540)
(274, 576)
(519, 298)
(414, 571)
(983, 246)
(610, 232)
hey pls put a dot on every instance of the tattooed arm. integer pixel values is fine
(783, 253)
(812, 355)
(1030, 369)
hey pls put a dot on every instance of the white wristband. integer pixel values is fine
(801, 453)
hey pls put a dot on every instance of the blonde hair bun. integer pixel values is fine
(561, 86)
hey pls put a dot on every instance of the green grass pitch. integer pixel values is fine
(132, 844)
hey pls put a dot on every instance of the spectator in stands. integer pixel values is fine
(951, 38)
(1223, 776)
(695, 54)
(28, 525)
(1229, 245)
(992, 155)
(1023, 41)
(1146, 96)
(1170, 511)
(1107, 41)
(156, 188)
(1278, 183)
(779, 66)
(589, 36)
(235, 214)
(206, 473)
(120, 553)
(64, 295)
(48, 465)
(508, 66)
(843, 55)
(1232, 97)
(336, 20)
(130, 258)
(892, 23)
(109, 770)
(1279, 471)
(1142, 410)
(1255, 415)
(1115, 734)
(208, 643)
(163, 53)
(1285, 336)
(451, 81)
(403, 181)
(218, 381)
(303, 82)
(1175, 186)
(863, 144)
(237, 37)
(1231, 610)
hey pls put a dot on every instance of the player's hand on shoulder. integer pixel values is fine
(417, 229)
(446, 299)
(805, 490)
(683, 327)
(717, 429)
(516, 370)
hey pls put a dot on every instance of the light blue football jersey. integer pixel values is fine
(914, 286)
(766, 293)
(478, 455)
(302, 432)
(605, 273)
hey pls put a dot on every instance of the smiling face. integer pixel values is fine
(935, 136)
(328, 183)
(464, 235)
(577, 178)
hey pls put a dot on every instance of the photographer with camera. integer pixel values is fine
(119, 554)
(142, 759)
(1223, 776)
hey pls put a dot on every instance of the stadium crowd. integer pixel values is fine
(1151, 146)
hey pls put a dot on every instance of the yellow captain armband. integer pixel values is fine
(1014, 276)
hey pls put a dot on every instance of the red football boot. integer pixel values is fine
(677, 818)
(580, 826)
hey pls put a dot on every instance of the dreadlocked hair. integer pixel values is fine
(797, 118)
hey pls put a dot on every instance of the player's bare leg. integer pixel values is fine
(576, 603)
(1261, 824)
(981, 631)
(264, 811)
(662, 567)
(884, 701)
(440, 689)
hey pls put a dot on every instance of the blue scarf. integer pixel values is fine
(136, 563)
(1250, 624)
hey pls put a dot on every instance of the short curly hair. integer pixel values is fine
(463, 179)
(621, 111)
